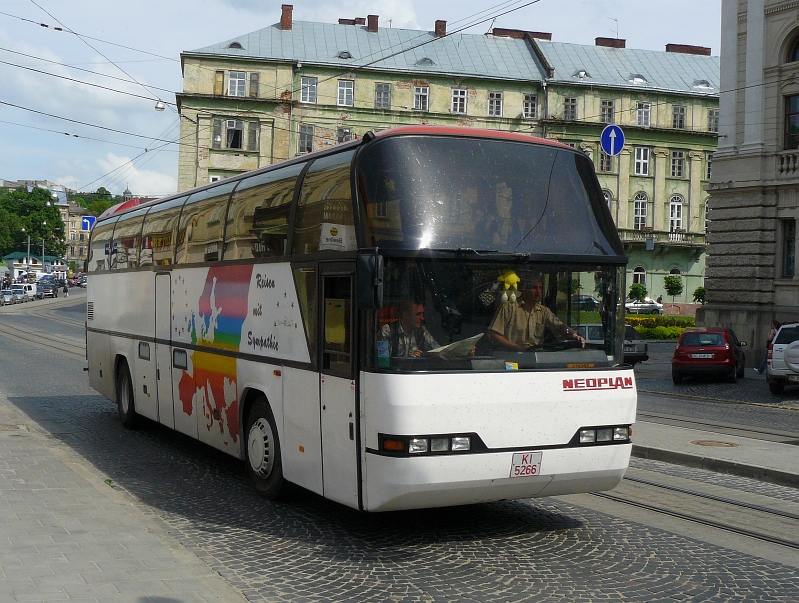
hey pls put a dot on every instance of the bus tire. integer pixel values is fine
(263, 451)
(125, 402)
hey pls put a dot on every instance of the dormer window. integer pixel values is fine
(637, 79)
(582, 74)
(702, 85)
(235, 45)
(344, 54)
(425, 62)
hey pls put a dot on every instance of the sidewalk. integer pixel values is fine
(767, 461)
(69, 536)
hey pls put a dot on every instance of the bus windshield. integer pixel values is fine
(449, 314)
(436, 192)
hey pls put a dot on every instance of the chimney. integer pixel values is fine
(285, 17)
(346, 21)
(610, 42)
(441, 28)
(688, 49)
(520, 34)
(360, 21)
(371, 23)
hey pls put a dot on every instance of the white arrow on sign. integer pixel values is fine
(612, 136)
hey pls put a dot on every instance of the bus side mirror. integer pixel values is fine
(369, 281)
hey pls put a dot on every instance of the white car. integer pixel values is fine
(648, 306)
(636, 348)
(783, 366)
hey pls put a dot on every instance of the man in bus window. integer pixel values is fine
(518, 325)
(408, 337)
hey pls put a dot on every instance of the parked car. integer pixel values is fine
(11, 297)
(648, 306)
(783, 358)
(708, 351)
(635, 347)
(586, 303)
(23, 290)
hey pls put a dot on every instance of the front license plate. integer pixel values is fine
(525, 464)
(701, 355)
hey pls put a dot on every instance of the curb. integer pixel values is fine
(763, 474)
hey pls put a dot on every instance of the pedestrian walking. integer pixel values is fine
(771, 334)
(66, 291)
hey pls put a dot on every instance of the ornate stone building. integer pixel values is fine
(751, 273)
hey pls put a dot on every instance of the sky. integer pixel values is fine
(81, 136)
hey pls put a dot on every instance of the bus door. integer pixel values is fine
(163, 361)
(338, 391)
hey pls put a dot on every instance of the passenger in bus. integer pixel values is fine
(519, 325)
(408, 337)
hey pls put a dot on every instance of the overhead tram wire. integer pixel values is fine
(98, 52)
(121, 144)
(113, 77)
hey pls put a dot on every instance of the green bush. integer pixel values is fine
(660, 332)
(658, 320)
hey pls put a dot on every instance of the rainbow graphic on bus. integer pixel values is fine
(222, 310)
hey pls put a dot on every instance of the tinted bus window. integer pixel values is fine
(452, 193)
(127, 238)
(257, 224)
(159, 233)
(200, 232)
(324, 218)
(100, 250)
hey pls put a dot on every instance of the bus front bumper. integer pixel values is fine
(393, 483)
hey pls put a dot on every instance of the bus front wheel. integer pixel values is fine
(125, 403)
(263, 451)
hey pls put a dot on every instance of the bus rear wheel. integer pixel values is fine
(125, 402)
(263, 451)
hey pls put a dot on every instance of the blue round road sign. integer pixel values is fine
(612, 140)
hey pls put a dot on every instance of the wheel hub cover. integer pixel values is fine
(259, 446)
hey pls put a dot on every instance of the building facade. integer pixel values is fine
(751, 273)
(299, 86)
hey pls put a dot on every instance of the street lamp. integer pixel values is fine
(28, 259)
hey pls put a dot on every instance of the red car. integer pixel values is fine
(708, 351)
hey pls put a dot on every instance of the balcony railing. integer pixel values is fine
(663, 237)
(787, 163)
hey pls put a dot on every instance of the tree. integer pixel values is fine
(97, 202)
(637, 292)
(673, 285)
(699, 295)
(40, 219)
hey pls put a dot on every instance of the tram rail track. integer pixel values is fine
(759, 433)
(719, 507)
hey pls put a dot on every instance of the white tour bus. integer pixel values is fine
(277, 316)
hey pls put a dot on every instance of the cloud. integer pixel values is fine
(122, 171)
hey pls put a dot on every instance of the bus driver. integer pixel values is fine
(407, 337)
(518, 325)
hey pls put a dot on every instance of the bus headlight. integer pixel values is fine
(461, 444)
(612, 434)
(587, 436)
(417, 445)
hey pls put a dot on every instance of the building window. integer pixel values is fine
(343, 135)
(788, 248)
(709, 171)
(608, 110)
(346, 93)
(608, 198)
(255, 79)
(306, 139)
(72, 224)
(495, 104)
(458, 100)
(605, 162)
(639, 275)
(71, 250)
(792, 122)
(382, 96)
(643, 112)
(237, 83)
(219, 83)
(570, 109)
(793, 53)
(640, 203)
(675, 213)
(641, 167)
(530, 106)
(214, 178)
(713, 120)
(421, 95)
(308, 90)
(678, 164)
(235, 133)
(678, 118)
(72, 236)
